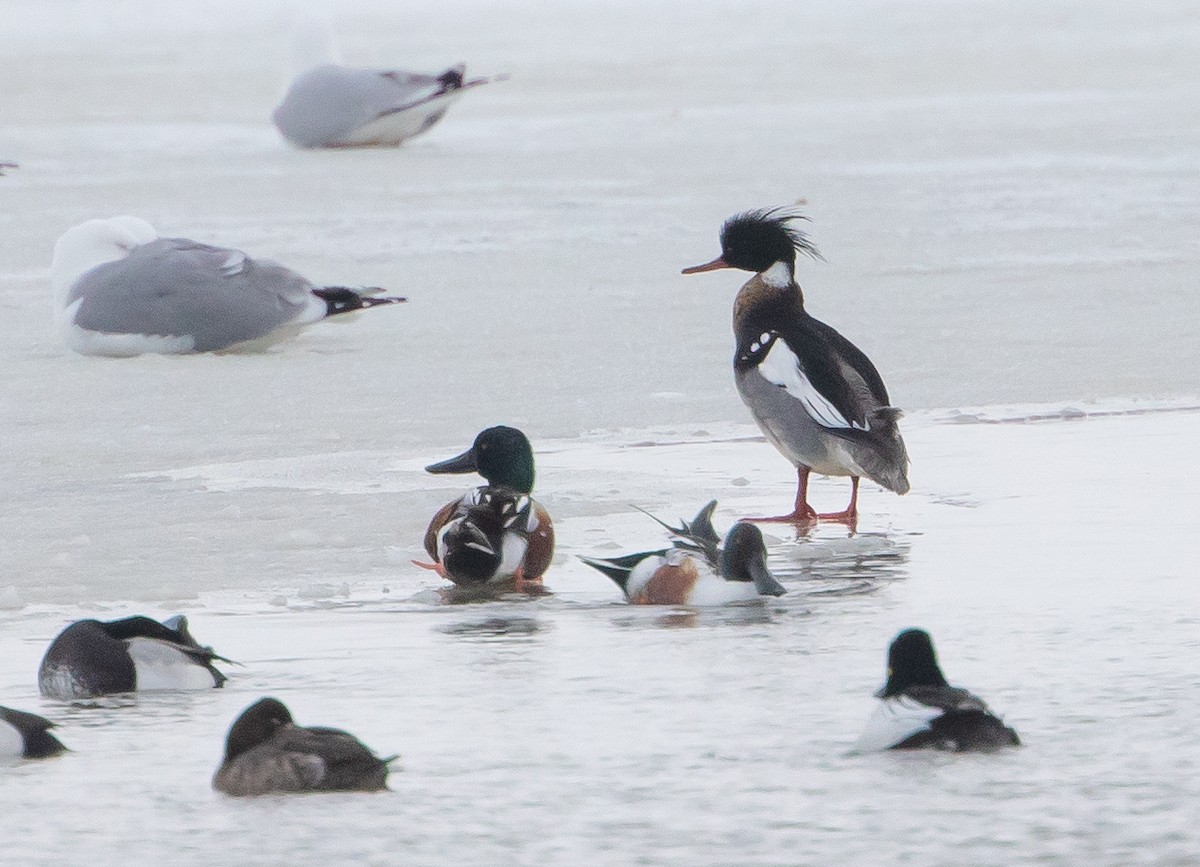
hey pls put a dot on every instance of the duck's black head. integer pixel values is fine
(756, 240)
(744, 558)
(500, 454)
(256, 724)
(911, 662)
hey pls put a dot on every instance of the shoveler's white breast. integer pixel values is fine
(895, 720)
(12, 742)
(657, 580)
(712, 589)
(160, 665)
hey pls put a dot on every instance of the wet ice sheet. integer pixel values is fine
(1006, 195)
(577, 727)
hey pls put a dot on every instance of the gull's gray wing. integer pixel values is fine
(176, 287)
(329, 102)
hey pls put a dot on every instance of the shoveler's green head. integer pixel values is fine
(500, 454)
(744, 558)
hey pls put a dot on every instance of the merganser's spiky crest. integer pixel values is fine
(756, 240)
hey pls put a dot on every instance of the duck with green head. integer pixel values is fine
(496, 536)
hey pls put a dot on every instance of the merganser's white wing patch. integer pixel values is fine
(895, 720)
(781, 367)
(160, 665)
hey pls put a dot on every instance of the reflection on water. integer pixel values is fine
(858, 563)
(495, 627)
(681, 617)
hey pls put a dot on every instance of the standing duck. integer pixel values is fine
(816, 396)
(696, 571)
(918, 708)
(494, 537)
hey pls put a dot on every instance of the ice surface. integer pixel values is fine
(1006, 194)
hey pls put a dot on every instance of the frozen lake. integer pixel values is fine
(1006, 194)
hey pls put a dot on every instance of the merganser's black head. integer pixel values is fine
(256, 724)
(757, 240)
(500, 454)
(744, 558)
(911, 662)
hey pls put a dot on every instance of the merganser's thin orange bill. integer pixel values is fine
(708, 266)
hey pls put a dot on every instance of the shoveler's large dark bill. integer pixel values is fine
(708, 266)
(465, 463)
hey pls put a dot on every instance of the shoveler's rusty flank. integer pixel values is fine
(697, 570)
(496, 537)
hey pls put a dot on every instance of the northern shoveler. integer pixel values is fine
(697, 570)
(494, 537)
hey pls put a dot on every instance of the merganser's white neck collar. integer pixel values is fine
(779, 276)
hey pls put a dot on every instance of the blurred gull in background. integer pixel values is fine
(331, 105)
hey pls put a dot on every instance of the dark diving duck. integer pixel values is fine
(26, 736)
(496, 537)
(918, 708)
(815, 395)
(267, 753)
(91, 658)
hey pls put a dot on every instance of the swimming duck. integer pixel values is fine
(919, 708)
(495, 536)
(267, 752)
(91, 658)
(696, 571)
(27, 735)
(329, 105)
(816, 396)
(121, 290)
(5, 164)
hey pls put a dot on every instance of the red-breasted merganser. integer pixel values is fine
(816, 396)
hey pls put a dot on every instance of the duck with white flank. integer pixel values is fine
(267, 752)
(121, 290)
(27, 736)
(495, 537)
(91, 658)
(918, 708)
(696, 571)
(815, 395)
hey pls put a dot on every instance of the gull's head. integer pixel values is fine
(89, 245)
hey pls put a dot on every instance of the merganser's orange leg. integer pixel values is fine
(850, 514)
(803, 515)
